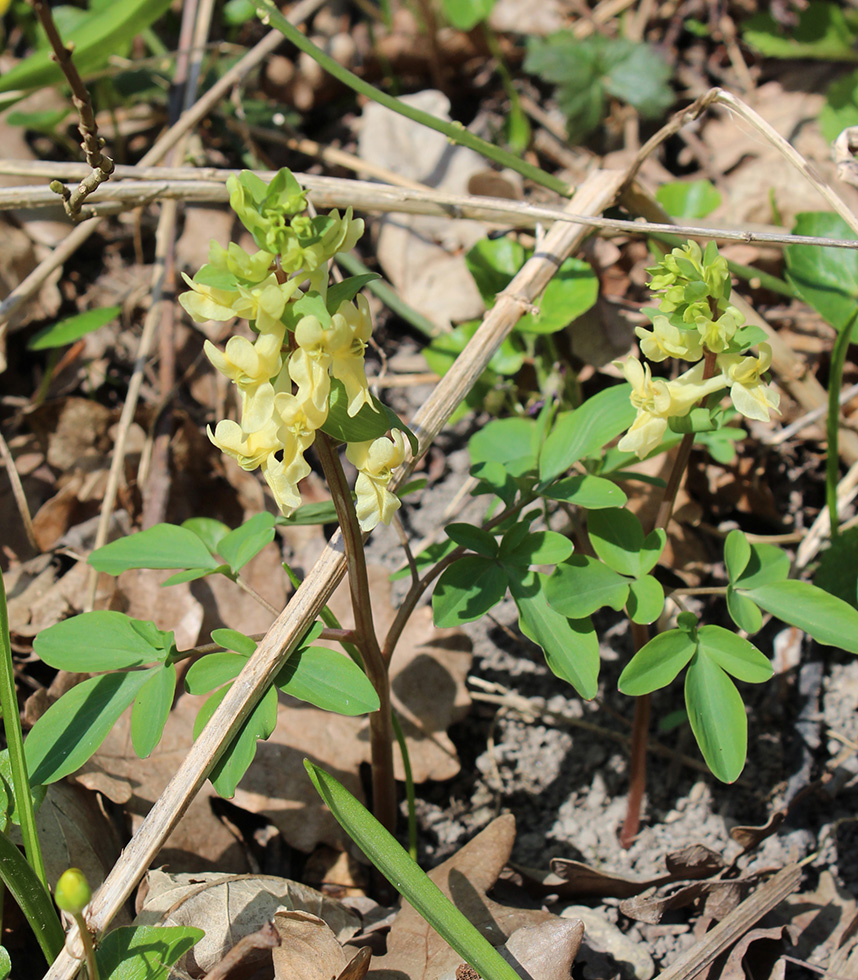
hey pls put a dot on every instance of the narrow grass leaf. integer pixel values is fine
(72, 329)
(384, 851)
(34, 901)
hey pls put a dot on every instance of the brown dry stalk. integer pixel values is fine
(594, 195)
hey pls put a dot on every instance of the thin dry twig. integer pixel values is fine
(101, 166)
(597, 193)
(18, 494)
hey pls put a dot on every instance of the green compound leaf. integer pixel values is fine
(473, 538)
(144, 952)
(307, 514)
(151, 709)
(570, 646)
(510, 442)
(72, 329)
(329, 680)
(467, 590)
(536, 548)
(342, 292)
(101, 640)
(581, 585)
(73, 728)
(369, 423)
(825, 278)
(240, 752)
(493, 262)
(688, 198)
(586, 430)
(766, 564)
(657, 663)
(208, 530)
(245, 542)
(737, 554)
(734, 654)
(829, 620)
(646, 599)
(590, 492)
(618, 539)
(744, 613)
(466, 14)
(32, 898)
(841, 106)
(161, 546)
(405, 875)
(717, 716)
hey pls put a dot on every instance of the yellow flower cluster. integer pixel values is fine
(696, 324)
(285, 393)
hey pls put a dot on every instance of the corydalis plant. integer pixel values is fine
(694, 322)
(307, 360)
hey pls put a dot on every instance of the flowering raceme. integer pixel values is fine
(694, 322)
(284, 375)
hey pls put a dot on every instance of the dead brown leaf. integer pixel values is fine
(416, 951)
(229, 907)
(308, 948)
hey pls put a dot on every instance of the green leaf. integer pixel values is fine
(581, 585)
(822, 33)
(717, 716)
(329, 680)
(239, 754)
(737, 554)
(826, 618)
(442, 352)
(646, 599)
(536, 548)
(233, 640)
(100, 640)
(245, 542)
(369, 423)
(767, 563)
(734, 654)
(72, 329)
(343, 292)
(511, 442)
(467, 589)
(307, 514)
(586, 430)
(466, 14)
(95, 40)
(208, 530)
(838, 567)
(9, 813)
(572, 291)
(590, 492)
(493, 262)
(151, 708)
(473, 538)
(618, 539)
(688, 198)
(34, 901)
(144, 952)
(427, 558)
(5, 963)
(571, 646)
(825, 278)
(73, 728)
(161, 546)
(213, 670)
(405, 875)
(657, 663)
(744, 613)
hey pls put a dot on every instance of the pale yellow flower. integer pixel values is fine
(666, 340)
(234, 259)
(375, 461)
(336, 350)
(657, 401)
(263, 302)
(751, 395)
(717, 334)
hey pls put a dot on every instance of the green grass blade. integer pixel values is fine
(408, 879)
(32, 897)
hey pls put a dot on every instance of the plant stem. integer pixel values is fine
(640, 635)
(88, 948)
(15, 743)
(832, 425)
(380, 723)
(454, 131)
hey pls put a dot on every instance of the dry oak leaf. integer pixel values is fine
(229, 907)
(309, 949)
(416, 951)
